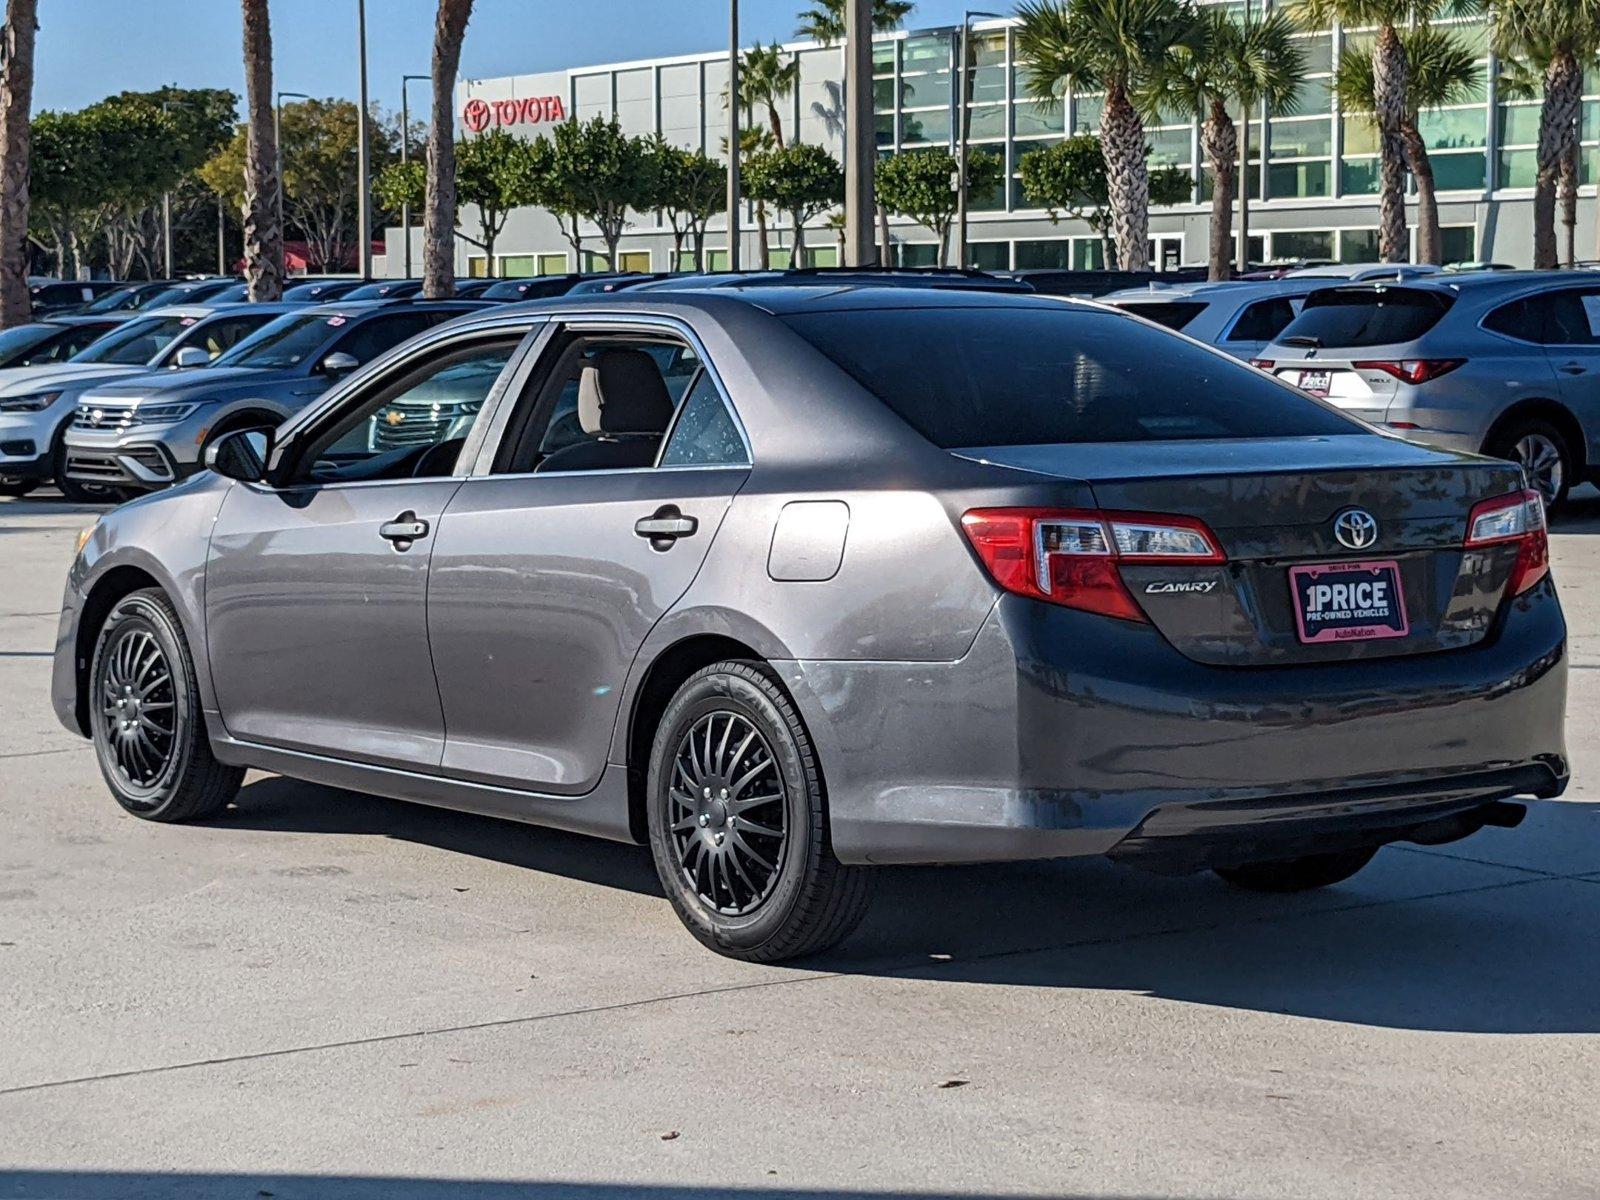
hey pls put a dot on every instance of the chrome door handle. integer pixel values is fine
(403, 530)
(665, 526)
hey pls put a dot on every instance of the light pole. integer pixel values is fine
(733, 135)
(363, 182)
(277, 143)
(964, 127)
(1244, 175)
(860, 140)
(405, 157)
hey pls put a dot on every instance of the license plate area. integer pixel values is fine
(1316, 382)
(1348, 601)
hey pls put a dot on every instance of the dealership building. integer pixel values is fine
(1314, 188)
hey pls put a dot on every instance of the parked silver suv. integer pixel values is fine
(147, 433)
(1504, 363)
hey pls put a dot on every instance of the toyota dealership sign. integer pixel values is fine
(478, 114)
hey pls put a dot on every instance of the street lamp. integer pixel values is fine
(363, 166)
(733, 135)
(860, 136)
(277, 142)
(405, 157)
(964, 125)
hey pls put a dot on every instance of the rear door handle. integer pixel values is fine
(1573, 368)
(403, 530)
(665, 526)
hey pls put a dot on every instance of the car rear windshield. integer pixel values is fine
(1339, 317)
(135, 343)
(968, 377)
(1173, 314)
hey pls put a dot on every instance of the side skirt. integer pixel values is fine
(600, 813)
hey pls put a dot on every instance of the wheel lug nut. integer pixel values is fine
(705, 819)
(719, 838)
(724, 793)
(708, 793)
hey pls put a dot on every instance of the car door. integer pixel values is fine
(1572, 345)
(316, 586)
(552, 567)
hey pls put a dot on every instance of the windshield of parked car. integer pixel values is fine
(967, 377)
(22, 338)
(284, 343)
(135, 343)
(112, 301)
(1382, 316)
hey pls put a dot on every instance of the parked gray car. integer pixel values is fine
(37, 403)
(1238, 318)
(791, 581)
(1503, 362)
(145, 433)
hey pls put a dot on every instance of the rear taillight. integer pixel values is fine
(1070, 556)
(1266, 364)
(1517, 517)
(1411, 370)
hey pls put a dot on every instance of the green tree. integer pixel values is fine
(602, 174)
(691, 188)
(496, 172)
(920, 184)
(824, 20)
(1122, 48)
(802, 180)
(1070, 178)
(1440, 69)
(1232, 64)
(1557, 39)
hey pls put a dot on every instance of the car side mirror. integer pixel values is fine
(191, 356)
(240, 455)
(339, 363)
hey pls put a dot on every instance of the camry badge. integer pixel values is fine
(1355, 528)
(1167, 586)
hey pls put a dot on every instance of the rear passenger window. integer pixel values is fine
(1263, 320)
(705, 435)
(1521, 319)
(1572, 319)
(1174, 314)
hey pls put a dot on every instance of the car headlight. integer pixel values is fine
(36, 402)
(164, 412)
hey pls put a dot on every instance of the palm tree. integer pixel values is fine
(1231, 63)
(1441, 69)
(263, 235)
(824, 21)
(439, 203)
(1123, 48)
(1390, 77)
(766, 76)
(16, 106)
(1558, 39)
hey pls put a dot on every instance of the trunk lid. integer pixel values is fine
(1272, 504)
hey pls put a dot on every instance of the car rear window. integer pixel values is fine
(968, 377)
(1174, 314)
(1340, 317)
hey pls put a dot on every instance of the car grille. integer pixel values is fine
(398, 425)
(111, 417)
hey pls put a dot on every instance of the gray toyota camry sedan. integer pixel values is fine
(789, 582)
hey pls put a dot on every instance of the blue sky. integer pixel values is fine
(88, 49)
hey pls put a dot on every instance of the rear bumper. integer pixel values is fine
(1062, 734)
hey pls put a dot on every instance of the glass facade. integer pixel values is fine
(1316, 165)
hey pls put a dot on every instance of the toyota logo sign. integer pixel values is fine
(1355, 528)
(475, 116)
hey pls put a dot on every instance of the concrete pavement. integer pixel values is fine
(325, 994)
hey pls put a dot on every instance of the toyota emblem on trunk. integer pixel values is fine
(1355, 528)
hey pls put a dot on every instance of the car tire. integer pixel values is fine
(1298, 874)
(146, 719)
(1543, 452)
(752, 877)
(16, 488)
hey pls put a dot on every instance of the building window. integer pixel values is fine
(633, 260)
(517, 266)
(1302, 243)
(553, 264)
(1459, 243)
(918, 254)
(989, 256)
(1358, 245)
(477, 266)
